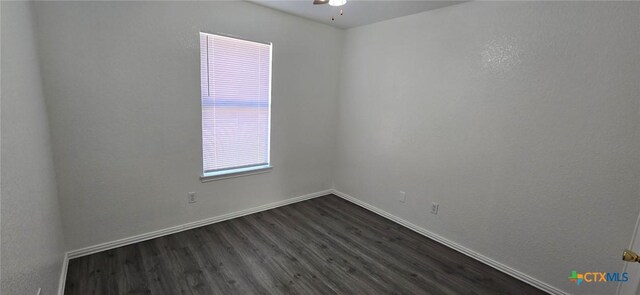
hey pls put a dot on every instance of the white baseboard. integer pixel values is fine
(63, 274)
(455, 246)
(167, 231)
(187, 226)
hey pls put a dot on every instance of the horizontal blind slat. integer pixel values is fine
(235, 82)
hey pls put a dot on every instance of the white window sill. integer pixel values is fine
(235, 173)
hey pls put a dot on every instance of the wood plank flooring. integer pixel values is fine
(321, 246)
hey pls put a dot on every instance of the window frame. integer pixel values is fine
(246, 170)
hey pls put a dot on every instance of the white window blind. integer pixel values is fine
(236, 104)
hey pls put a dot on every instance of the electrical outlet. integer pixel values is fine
(192, 197)
(434, 208)
(402, 197)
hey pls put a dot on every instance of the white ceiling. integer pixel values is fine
(356, 12)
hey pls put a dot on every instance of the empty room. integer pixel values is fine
(319, 147)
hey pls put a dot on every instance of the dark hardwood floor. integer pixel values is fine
(320, 246)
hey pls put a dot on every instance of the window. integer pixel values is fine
(236, 105)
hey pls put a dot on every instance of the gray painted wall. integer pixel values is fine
(520, 119)
(122, 84)
(32, 239)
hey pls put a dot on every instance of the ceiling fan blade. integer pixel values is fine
(316, 2)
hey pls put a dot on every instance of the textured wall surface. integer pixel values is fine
(122, 83)
(32, 239)
(520, 119)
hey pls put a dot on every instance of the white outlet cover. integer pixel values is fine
(434, 208)
(402, 197)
